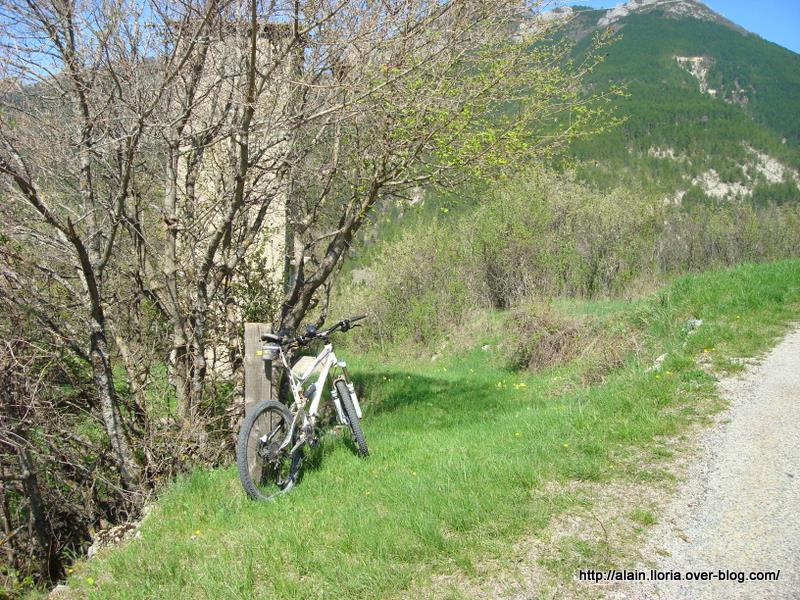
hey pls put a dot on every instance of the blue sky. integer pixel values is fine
(775, 20)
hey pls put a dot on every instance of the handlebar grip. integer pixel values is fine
(271, 337)
(358, 318)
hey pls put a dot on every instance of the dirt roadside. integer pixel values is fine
(728, 499)
(739, 508)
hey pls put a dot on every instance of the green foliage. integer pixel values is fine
(644, 517)
(664, 107)
(774, 193)
(545, 236)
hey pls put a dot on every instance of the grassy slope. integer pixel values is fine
(458, 449)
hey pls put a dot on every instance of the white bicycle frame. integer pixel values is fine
(326, 360)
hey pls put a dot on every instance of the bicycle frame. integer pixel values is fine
(326, 361)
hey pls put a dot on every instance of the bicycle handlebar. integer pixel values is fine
(302, 340)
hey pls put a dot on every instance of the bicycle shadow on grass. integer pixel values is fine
(385, 393)
(314, 458)
(409, 402)
(464, 399)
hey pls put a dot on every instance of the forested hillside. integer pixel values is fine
(721, 125)
(701, 95)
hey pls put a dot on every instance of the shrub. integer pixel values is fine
(544, 236)
(539, 337)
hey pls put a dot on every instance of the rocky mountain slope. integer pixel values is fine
(712, 111)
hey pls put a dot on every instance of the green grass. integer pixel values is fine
(460, 454)
(644, 517)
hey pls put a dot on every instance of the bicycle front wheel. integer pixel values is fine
(352, 417)
(265, 469)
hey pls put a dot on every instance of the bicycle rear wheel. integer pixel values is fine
(265, 469)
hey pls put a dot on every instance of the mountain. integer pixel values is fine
(712, 111)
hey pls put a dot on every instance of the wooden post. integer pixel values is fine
(257, 371)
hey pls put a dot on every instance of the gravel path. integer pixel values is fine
(740, 507)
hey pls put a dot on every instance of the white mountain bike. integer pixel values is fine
(272, 439)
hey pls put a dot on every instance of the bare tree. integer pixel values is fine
(68, 153)
(82, 85)
(398, 95)
(314, 112)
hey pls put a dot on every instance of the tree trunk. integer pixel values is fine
(130, 470)
(51, 566)
(138, 374)
(198, 358)
(8, 530)
(178, 359)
